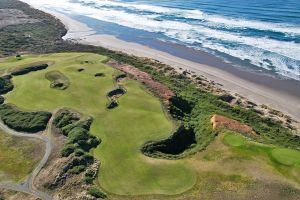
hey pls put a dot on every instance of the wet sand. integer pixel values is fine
(261, 88)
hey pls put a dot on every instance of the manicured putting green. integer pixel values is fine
(286, 156)
(138, 119)
(234, 140)
(280, 155)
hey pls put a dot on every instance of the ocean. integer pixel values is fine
(255, 35)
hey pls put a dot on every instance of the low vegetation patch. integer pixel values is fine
(18, 120)
(77, 132)
(76, 148)
(26, 70)
(97, 193)
(58, 80)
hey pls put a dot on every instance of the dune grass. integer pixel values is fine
(139, 118)
(18, 156)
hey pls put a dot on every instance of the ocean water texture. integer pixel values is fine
(261, 33)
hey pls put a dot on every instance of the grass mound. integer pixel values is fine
(234, 140)
(58, 80)
(18, 120)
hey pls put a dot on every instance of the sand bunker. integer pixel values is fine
(58, 80)
(222, 122)
(159, 89)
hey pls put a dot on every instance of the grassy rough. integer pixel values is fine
(18, 156)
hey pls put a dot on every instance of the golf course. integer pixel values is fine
(82, 81)
(138, 119)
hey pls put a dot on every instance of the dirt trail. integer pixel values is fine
(27, 186)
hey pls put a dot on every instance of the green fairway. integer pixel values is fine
(138, 119)
(18, 156)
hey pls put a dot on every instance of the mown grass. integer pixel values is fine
(138, 119)
(284, 160)
(287, 157)
(234, 140)
(58, 80)
(18, 156)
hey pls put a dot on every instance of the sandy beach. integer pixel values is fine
(282, 95)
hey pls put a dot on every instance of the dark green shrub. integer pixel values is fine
(226, 97)
(67, 150)
(96, 192)
(2, 99)
(77, 169)
(5, 85)
(65, 118)
(77, 132)
(26, 70)
(88, 180)
(79, 152)
(24, 121)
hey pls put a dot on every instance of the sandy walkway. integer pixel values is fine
(269, 92)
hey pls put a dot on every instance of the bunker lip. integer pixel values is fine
(114, 95)
(157, 88)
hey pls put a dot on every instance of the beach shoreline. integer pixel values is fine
(282, 95)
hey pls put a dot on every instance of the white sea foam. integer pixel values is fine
(285, 56)
(197, 14)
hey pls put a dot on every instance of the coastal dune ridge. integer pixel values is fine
(283, 95)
